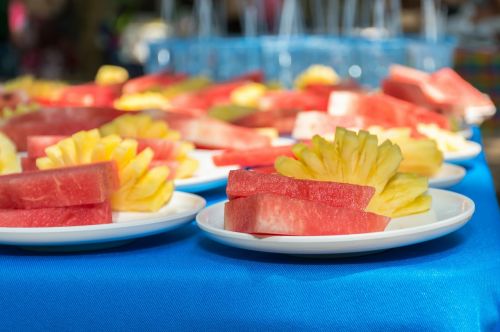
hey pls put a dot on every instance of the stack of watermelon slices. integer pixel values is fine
(70, 196)
(271, 204)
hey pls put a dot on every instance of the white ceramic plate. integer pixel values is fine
(447, 176)
(208, 176)
(466, 132)
(126, 225)
(449, 212)
(470, 151)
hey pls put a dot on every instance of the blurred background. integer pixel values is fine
(70, 39)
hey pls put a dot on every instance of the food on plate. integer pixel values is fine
(141, 188)
(252, 157)
(420, 155)
(293, 100)
(230, 113)
(141, 101)
(209, 133)
(111, 75)
(79, 185)
(444, 91)
(359, 159)
(42, 91)
(242, 183)
(71, 196)
(317, 75)
(270, 214)
(190, 84)
(248, 95)
(88, 95)
(282, 120)
(9, 163)
(55, 121)
(78, 215)
(447, 141)
(309, 124)
(155, 134)
(152, 82)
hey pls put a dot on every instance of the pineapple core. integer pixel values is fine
(357, 158)
(141, 188)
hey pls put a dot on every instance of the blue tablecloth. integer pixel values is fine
(184, 281)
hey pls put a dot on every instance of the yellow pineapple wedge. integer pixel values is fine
(359, 159)
(447, 141)
(141, 188)
(9, 162)
(248, 95)
(420, 156)
(144, 126)
(110, 75)
(138, 101)
(316, 74)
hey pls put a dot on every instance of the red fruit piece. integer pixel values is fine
(243, 183)
(252, 157)
(281, 215)
(57, 217)
(87, 184)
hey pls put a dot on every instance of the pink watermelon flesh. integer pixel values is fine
(36, 145)
(163, 149)
(252, 157)
(243, 183)
(280, 215)
(28, 164)
(215, 134)
(92, 214)
(87, 184)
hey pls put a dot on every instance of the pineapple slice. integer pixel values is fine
(317, 74)
(9, 162)
(142, 101)
(421, 156)
(110, 75)
(358, 159)
(447, 141)
(248, 95)
(141, 189)
(139, 126)
(143, 126)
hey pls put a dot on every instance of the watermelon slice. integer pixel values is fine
(280, 215)
(36, 145)
(89, 95)
(243, 183)
(281, 119)
(163, 149)
(87, 184)
(93, 214)
(214, 134)
(55, 121)
(309, 124)
(293, 100)
(28, 164)
(252, 157)
(151, 81)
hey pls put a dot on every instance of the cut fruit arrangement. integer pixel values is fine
(351, 185)
(141, 188)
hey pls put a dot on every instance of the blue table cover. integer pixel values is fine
(184, 281)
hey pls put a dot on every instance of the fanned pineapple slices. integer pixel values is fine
(143, 126)
(139, 126)
(420, 156)
(358, 159)
(141, 188)
(9, 163)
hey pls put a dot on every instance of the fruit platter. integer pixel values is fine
(327, 160)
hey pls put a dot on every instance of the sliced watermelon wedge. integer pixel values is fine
(271, 214)
(243, 183)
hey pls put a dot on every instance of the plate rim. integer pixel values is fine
(466, 215)
(448, 181)
(457, 156)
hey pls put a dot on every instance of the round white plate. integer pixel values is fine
(126, 225)
(449, 212)
(447, 176)
(207, 176)
(471, 150)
